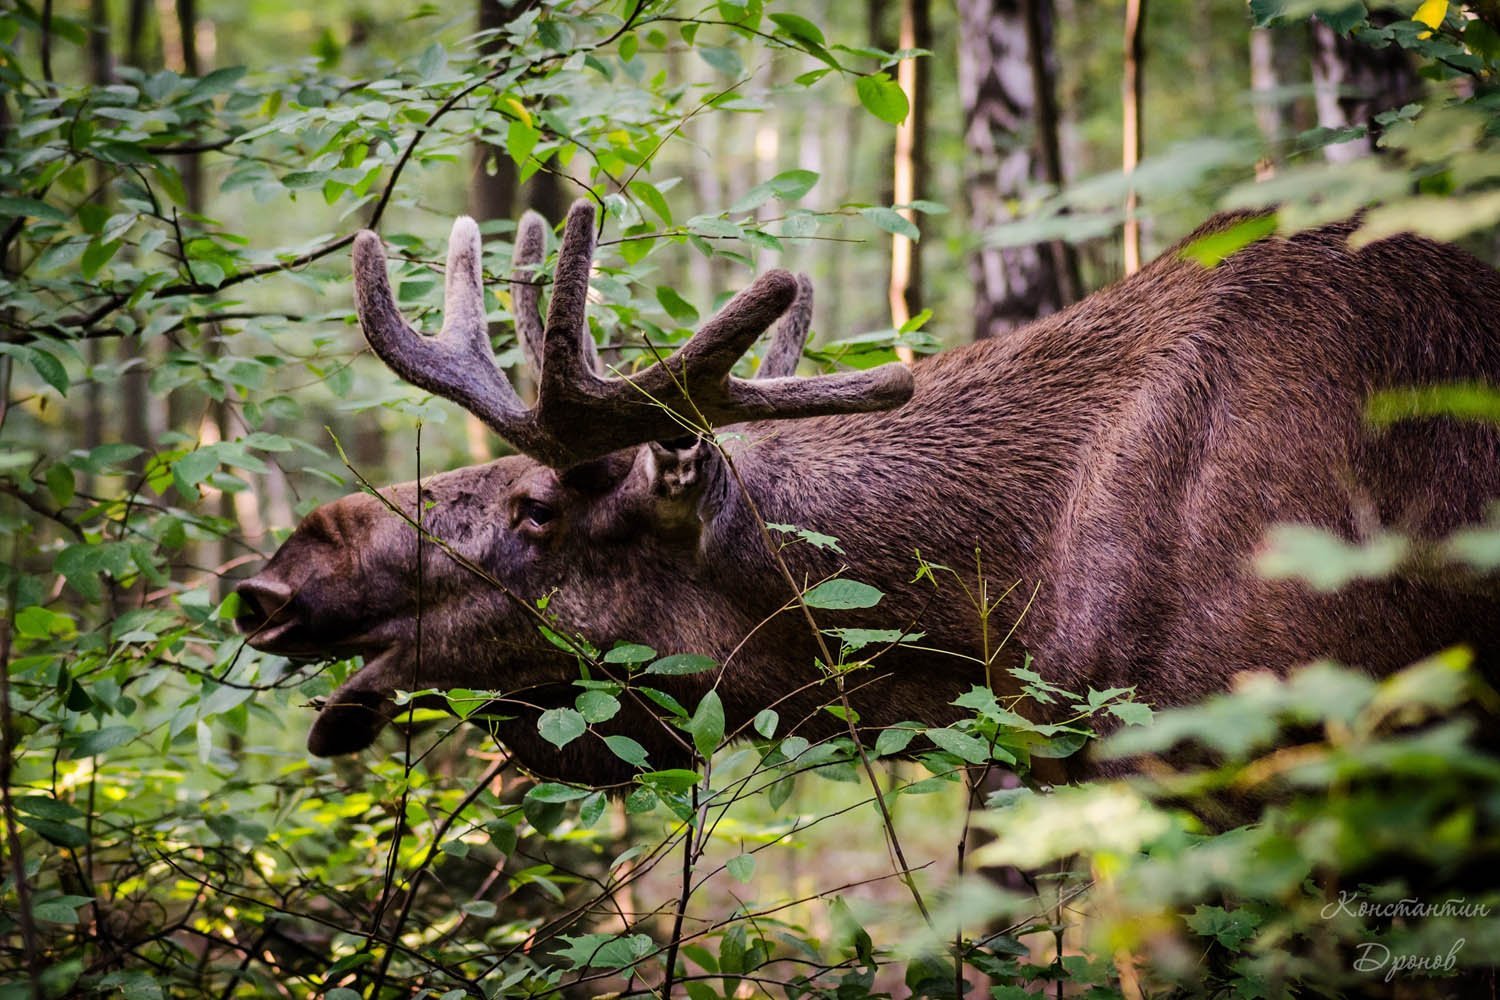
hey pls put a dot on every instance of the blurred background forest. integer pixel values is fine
(182, 379)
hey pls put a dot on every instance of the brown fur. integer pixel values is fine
(1122, 460)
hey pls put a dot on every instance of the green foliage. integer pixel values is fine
(174, 839)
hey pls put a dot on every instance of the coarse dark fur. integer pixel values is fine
(1120, 462)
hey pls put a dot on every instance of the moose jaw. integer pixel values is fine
(1121, 459)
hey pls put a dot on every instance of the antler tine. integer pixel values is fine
(569, 356)
(711, 352)
(786, 346)
(456, 364)
(882, 388)
(525, 288)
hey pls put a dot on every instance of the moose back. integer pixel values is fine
(1119, 463)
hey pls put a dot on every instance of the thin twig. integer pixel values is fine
(7, 755)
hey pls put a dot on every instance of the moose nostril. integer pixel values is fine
(260, 600)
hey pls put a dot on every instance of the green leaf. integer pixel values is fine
(1462, 400)
(855, 639)
(551, 791)
(679, 664)
(47, 808)
(1324, 560)
(604, 951)
(432, 62)
(654, 199)
(99, 740)
(882, 97)
(813, 538)
(597, 706)
(39, 623)
(742, 867)
(892, 221)
(61, 834)
(50, 369)
(707, 724)
(59, 909)
(725, 60)
(60, 483)
(792, 184)
(765, 722)
(839, 595)
(676, 779)
(627, 750)
(1132, 713)
(520, 140)
(895, 739)
(664, 700)
(676, 306)
(799, 27)
(560, 726)
(192, 468)
(21, 208)
(970, 748)
(712, 225)
(630, 653)
(1212, 249)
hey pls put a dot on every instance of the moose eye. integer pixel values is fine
(534, 511)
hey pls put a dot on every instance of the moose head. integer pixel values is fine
(618, 517)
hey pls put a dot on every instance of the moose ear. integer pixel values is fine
(676, 469)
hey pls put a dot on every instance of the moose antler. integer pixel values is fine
(579, 413)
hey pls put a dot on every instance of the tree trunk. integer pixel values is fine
(1043, 59)
(100, 72)
(142, 411)
(1353, 82)
(997, 84)
(1131, 87)
(1270, 111)
(909, 182)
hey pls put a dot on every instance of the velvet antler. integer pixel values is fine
(580, 413)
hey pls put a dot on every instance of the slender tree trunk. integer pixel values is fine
(142, 418)
(1270, 111)
(909, 182)
(1353, 82)
(997, 84)
(1131, 87)
(492, 195)
(100, 70)
(1043, 58)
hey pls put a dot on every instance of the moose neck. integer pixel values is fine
(966, 476)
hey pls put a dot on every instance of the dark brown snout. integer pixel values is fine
(270, 617)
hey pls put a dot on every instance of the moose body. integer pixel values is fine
(1120, 462)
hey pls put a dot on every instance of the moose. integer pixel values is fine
(1119, 462)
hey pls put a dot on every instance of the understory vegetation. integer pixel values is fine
(182, 378)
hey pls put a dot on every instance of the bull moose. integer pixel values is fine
(1121, 461)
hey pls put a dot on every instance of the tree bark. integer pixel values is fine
(909, 182)
(142, 417)
(1270, 111)
(1042, 56)
(1353, 82)
(998, 87)
(1131, 93)
(100, 72)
